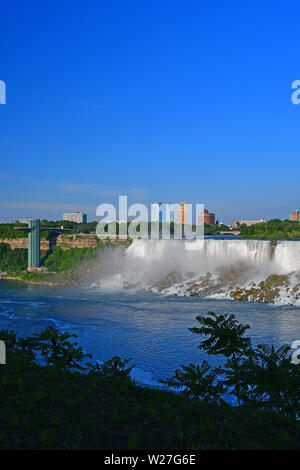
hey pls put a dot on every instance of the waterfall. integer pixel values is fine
(283, 256)
(214, 266)
(287, 255)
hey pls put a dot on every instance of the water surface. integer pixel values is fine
(152, 329)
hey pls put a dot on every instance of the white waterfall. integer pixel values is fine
(283, 256)
(287, 255)
(149, 262)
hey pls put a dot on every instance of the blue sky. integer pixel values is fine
(160, 100)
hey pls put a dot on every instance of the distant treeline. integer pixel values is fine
(8, 230)
(215, 229)
(84, 227)
(173, 228)
(273, 229)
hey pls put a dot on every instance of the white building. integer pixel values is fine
(77, 217)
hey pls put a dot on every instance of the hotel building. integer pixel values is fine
(77, 217)
(206, 218)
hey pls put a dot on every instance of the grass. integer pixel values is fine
(40, 278)
(47, 408)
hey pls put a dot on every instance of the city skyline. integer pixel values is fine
(163, 212)
(41, 209)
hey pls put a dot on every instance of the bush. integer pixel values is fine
(57, 350)
(12, 259)
(114, 368)
(64, 260)
(263, 377)
(197, 381)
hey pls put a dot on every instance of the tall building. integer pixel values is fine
(206, 217)
(182, 214)
(295, 216)
(77, 217)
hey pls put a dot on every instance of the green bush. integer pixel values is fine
(64, 260)
(12, 259)
(262, 377)
(57, 350)
(114, 368)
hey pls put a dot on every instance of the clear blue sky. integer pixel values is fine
(158, 99)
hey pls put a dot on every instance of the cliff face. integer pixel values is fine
(65, 241)
(15, 242)
(23, 243)
(83, 240)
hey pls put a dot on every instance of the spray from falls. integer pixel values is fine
(209, 267)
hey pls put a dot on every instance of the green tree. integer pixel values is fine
(57, 350)
(262, 377)
(197, 381)
(225, 334)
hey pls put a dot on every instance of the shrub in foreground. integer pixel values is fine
(262, 377)
(70, 403)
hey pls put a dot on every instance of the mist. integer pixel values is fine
(147, 262)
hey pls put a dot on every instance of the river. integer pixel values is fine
(150, 328)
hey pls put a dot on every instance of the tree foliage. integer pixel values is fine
(225, 334)
(57, 350)
(8, 231)
(197, 381)
(262, 377)
(116, 368)
(12, 259)
(273, 229)
(63, 260)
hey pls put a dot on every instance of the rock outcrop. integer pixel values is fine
(65, 241)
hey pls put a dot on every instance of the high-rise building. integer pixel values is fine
(77, 217)
(206, 218)
(182, 214)
(295, 216)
